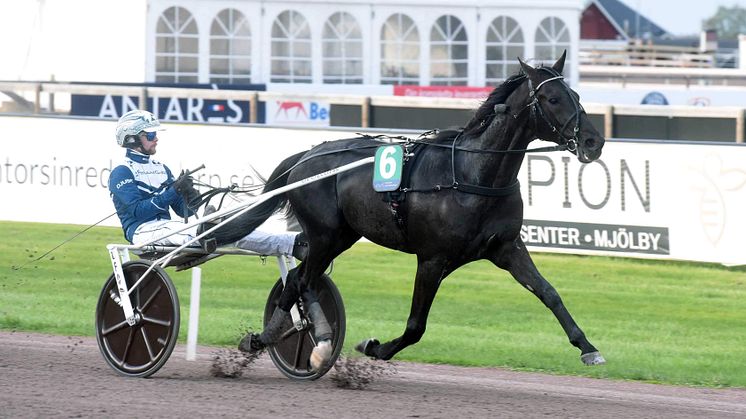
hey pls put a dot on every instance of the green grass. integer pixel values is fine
(666, 322)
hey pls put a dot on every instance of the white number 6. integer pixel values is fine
(387, 165)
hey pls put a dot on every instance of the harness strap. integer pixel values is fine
(486, 191)
(561, 147)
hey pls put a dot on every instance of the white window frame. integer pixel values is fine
(332, 34)
(554, 29)
(504, 41)
(397, 43)
(295, 34)
(231, 32)
(177, 33)
(449, 39)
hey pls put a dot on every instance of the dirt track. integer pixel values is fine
(62, 376)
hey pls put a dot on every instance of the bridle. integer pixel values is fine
(571, 142)
(567, 143)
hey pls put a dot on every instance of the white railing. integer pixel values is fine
(661, 75)
(642, 55)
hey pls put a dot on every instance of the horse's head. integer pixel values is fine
(556, 112)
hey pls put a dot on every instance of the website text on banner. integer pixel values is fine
(650, 200)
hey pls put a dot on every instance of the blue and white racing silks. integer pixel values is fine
(135, 188)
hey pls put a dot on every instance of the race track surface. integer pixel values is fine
(62, 376)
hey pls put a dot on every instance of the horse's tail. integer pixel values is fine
(253, 218)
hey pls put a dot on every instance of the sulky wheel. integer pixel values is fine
(142, 349)
(291, 353)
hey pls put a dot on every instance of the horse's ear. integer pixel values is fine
(528, 70)
(560, 64)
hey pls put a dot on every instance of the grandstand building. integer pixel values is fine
(356, 42)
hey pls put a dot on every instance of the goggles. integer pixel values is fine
(150, 136)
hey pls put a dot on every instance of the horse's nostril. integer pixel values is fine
(590, 143)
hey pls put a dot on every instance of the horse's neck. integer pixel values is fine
(497, 169)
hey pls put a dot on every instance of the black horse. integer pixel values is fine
(461, 203)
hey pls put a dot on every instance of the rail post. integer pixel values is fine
(740, 125)
(143, 99)
(51, 96)
(609, 122)
(365, 113)
(253, 107)
(37, 98)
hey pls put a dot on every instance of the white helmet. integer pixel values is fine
(132, 123)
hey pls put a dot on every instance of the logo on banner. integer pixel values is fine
(699, 101)
(284, 107)
(654, 98)
(715, 184)
(291, 112)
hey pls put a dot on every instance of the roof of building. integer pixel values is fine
(629, 21)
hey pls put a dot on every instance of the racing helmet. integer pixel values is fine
(132, 123)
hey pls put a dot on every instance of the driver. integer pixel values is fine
(144, 189)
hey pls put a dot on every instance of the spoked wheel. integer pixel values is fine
(292, 352)
(142, 349)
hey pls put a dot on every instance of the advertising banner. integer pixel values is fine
(661, 94)
(457, 92)
(641, 199)
(658, 200)
(170, 108)
(298, 113)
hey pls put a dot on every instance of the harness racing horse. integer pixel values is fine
(462, 203)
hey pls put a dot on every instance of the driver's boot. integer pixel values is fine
(209, 244)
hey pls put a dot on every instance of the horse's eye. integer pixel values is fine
(553, 100)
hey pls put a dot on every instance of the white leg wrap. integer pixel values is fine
(321, 354)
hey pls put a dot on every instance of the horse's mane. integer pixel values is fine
(486, 112)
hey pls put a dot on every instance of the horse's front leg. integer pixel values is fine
(429, 275)
(514, 258)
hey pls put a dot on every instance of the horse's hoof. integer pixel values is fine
(251, 343)
(592, 358)
(366, 347)
(321, 354)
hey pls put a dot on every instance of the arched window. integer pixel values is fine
(400, 51)
(504, 44)
(552, 38)
(176, 47)
(291, 49)
(449, 52)
(342, 44)
(230, 48)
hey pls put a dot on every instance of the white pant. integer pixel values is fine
(256, 241)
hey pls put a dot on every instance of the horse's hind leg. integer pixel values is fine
(430, 273)
(323, 248)
(515, 259)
